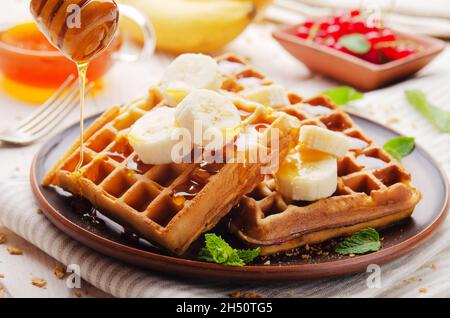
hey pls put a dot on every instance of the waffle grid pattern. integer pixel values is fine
(165, 203)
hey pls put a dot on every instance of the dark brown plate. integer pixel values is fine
(110, 239)
(353, 70)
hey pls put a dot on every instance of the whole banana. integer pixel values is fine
(202, 26)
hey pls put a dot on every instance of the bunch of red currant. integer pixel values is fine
(348, 33)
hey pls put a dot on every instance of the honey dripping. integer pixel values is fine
(82, 70)
(81, 30)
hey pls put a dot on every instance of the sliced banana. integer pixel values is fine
(322, 139)
(211, 118)
(307, 175)
(274, 96)
(188, 72)
(153, 136)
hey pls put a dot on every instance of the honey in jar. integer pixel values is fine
(81, 29)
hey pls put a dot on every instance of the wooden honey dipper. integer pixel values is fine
(81, 29)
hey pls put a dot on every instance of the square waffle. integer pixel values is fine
(168, 204)
(373, 188)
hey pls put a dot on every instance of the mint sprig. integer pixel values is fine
(218, 251)
(435, 115)
(342, 95)
(355, 43)
(400, 147)
(364, 241)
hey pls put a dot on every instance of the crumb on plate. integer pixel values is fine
(393, 120)
(2, 238)
(238, 294)
(14, 250)
(38, 282)
(78, 293)
(423, 290)
(59, 272)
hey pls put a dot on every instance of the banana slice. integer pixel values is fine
(211, 118)
(188, 72)
(273, 96)
(153, 136)
(307, 175)
(318, 138)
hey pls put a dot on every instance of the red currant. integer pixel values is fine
(308, 24)
(330, 29)
(355, 13)
(302, 32)
(389, 54)
(360, 27)
(372, 56)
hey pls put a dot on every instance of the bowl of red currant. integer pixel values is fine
(362, 53)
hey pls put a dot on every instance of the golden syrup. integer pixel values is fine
(187, 190)
(291, 165)
(310, 155)
(179, 201)
(115, 156)
(82, 70)
(244, 114)
(200, 176)
(197, 180)
(135, 165)
(211, 167)
(261, 127)
(297, 157)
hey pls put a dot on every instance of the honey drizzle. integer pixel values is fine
(82, 71)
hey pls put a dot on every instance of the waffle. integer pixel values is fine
(168, 204)
(373, 188)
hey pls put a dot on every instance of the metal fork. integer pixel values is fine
(47, 116)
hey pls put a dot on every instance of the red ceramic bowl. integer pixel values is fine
(352, 70)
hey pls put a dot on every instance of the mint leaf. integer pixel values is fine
(342, 95)
(435, 115)
(400, 147)
(208, 256)
(205, 255)
(355, 43)
(248, 255)
(218, 251)
(366, 240)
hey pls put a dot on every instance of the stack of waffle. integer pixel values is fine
(173, 204)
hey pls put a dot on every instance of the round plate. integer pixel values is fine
(109, 238)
